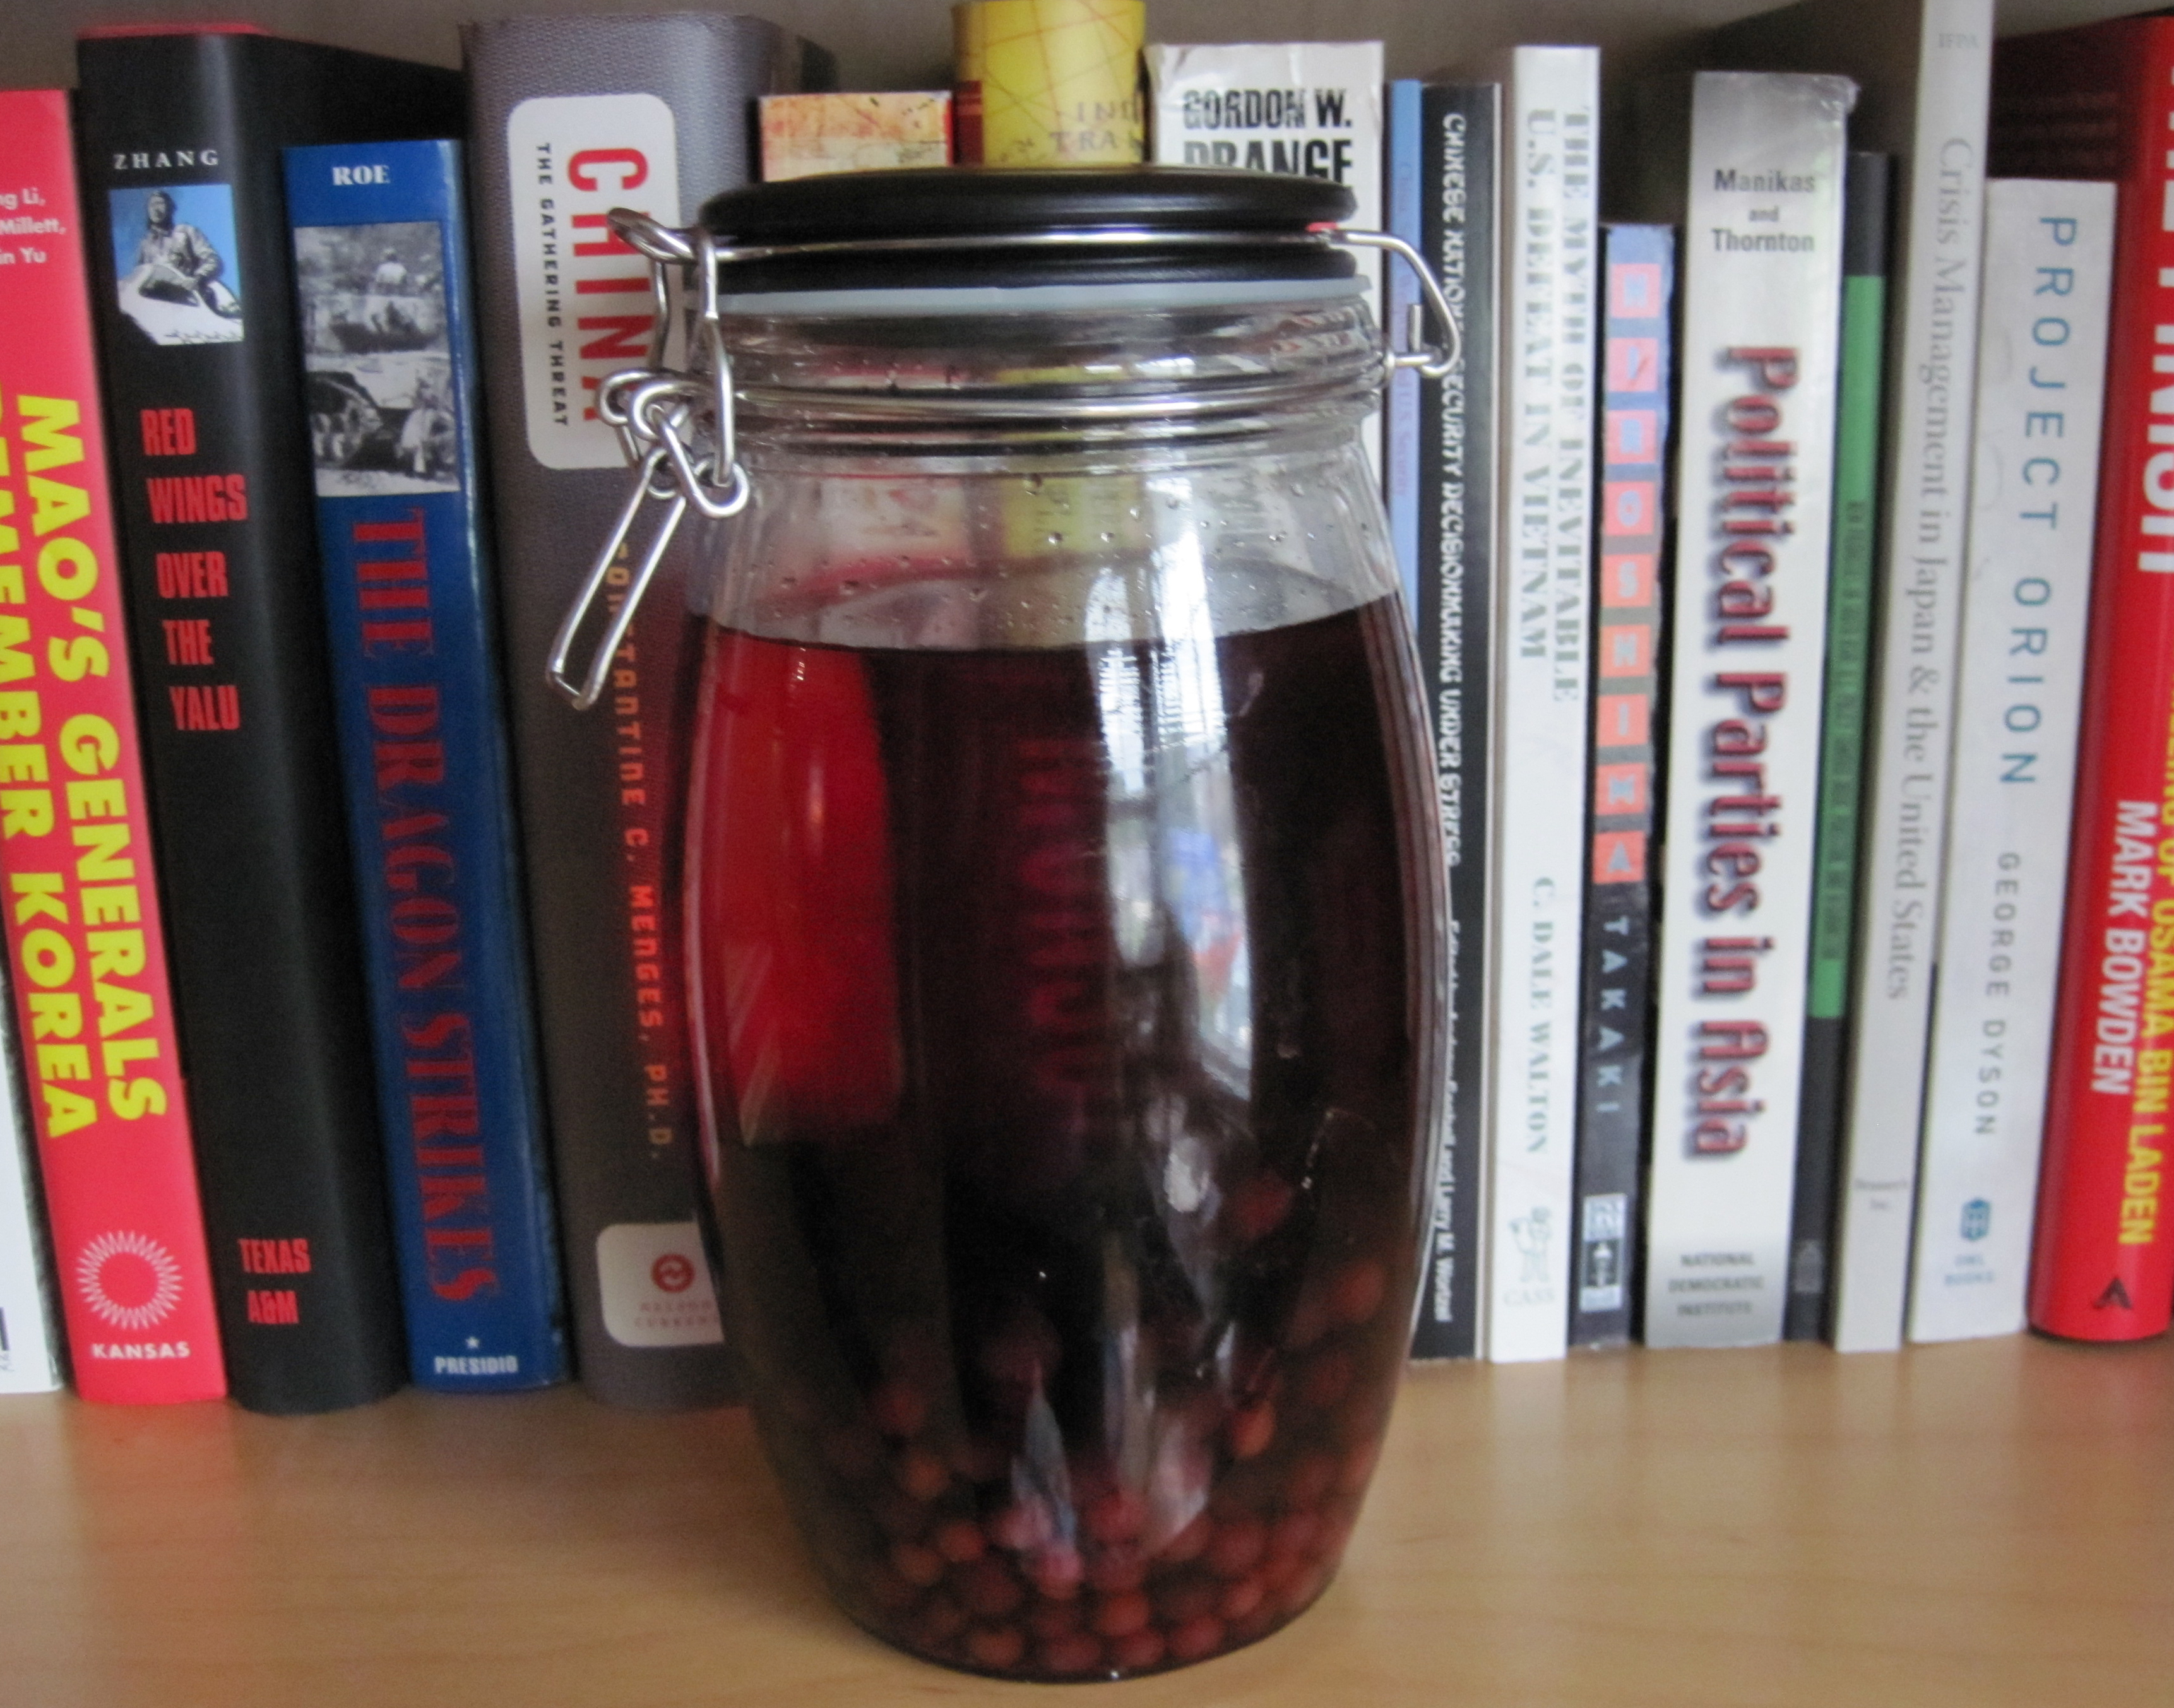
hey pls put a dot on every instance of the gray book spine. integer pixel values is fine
(570, 117)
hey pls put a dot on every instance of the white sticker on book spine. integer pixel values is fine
(655, 1280)
(585, 307)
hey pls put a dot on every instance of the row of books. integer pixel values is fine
(1758, 745)
(1765, 681)
(336, 950)
(1696, 1057)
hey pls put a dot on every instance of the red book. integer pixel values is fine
(2099, 102)
(86, 947)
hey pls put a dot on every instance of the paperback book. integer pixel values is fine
(1762, 297)
(803, 135)
(1048, 83)
(1550, 302)
(1616, 989)
(1308, 109)
(1866, 208)
(2040, 385)
(1923, 66)
(1445, 154)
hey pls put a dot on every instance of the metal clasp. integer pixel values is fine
(677, 425)
(584, 694)
(663, 415)
(1429, 361)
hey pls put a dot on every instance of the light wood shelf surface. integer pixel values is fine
(1988, 1525)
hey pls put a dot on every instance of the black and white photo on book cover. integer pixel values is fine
(174, 263)
(380, 365)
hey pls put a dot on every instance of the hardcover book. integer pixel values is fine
(1923, 66)
(1866, 208)
(1762, 301)
(806, 134)
(1309, 109)
(1550, 304)
(382, 274)
(2102, 1262)
(180, 136)
(2040, 383)
(573, 116)
(1637, 364)
(1445, 151)
(86, 939)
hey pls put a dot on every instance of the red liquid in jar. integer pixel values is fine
(1062, 1012)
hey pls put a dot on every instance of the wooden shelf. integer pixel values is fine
(1987, 1524)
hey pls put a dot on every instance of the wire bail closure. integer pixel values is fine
(677, 425)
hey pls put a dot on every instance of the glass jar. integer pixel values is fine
(1066, 913)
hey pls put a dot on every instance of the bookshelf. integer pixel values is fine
(1986, 1524)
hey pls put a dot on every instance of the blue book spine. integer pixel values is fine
(1401, 460)
(382, 272)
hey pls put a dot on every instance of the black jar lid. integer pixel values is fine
(983, 226)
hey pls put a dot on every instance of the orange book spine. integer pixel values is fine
(86, 945)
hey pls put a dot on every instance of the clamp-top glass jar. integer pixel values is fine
(1065, 892)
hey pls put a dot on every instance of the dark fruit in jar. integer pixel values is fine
(1064, 1022)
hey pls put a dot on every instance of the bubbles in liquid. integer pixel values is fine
(1056, 539)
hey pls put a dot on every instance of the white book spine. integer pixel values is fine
(1928, 495)
(1550, 255)
(2040, 386)
(1309, 109)
(29, 1345)
(1762, 302)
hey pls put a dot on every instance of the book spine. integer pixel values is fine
(1400, 413)
(806, 135)
(1308, 109)
(2041, 382)
(1048, 83)
(179, 140)
(1616, 993)
(1865, 209)
(1455, 542)
(1762, 291)
(381, 276)
(1550, 258)
(1932, 355)
(572, 117)
(86, 944)
(2102, 1265)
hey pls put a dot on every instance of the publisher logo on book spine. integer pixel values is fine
(655, 1284)
(129, 1280)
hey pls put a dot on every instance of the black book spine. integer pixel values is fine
(1823, 1106)
(1460, 127)
(180, 137)
(571, 117)
(1616, 991)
